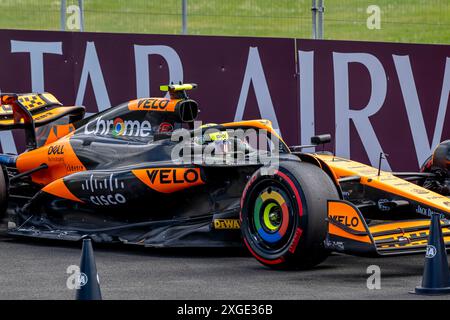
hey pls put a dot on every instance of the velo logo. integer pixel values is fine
(169, 180)
(153, 104)
(173, 175)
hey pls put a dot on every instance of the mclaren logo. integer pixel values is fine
(169, 180)
(227, 224)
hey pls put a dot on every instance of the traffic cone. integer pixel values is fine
(89, 286)
(436, 276)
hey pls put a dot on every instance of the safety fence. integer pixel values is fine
(415, 21)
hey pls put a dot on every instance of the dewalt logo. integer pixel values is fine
(227, 224)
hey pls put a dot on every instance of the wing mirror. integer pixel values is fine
(321, 139)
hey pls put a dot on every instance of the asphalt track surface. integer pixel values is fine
(33, 269)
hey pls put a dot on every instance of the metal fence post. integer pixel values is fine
(63, 15)
(80, 5)
(314, 13)
(184, 16)
(321, 9)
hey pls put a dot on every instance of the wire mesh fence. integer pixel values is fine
(417, 21)
(423, 21)
(273, 18)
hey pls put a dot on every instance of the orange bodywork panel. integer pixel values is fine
(343, 214)
(168, 180)
(258, 124)
(348, 228)
(58, 188)
(59, 157)
(400, 225)
(153, 104)
(263, 124)
(54, 133)
(386, 181)
(406, 233)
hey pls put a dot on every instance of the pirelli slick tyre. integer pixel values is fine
(283, 215)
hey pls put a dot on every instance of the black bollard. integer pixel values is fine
(436, 276)
(89, 286)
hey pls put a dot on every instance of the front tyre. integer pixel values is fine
(283, 215)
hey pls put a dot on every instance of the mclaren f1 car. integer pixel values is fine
(144, 173)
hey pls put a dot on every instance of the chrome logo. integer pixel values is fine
(118, 127)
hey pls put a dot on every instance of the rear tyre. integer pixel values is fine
(283, 215)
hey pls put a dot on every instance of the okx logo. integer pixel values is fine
(167, 180)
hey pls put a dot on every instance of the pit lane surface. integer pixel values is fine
(37, 270)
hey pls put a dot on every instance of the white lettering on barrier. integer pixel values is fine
(141, 59)
(254, 74)
(414, 111)
(36, 50)
(306, 73)
(92, 70)
(344, 113)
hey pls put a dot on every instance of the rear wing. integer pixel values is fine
(31, 110)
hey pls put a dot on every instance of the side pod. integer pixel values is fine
(348, 232)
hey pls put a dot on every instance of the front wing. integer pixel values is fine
(348, 232)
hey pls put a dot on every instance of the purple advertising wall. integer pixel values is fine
(372, 97)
